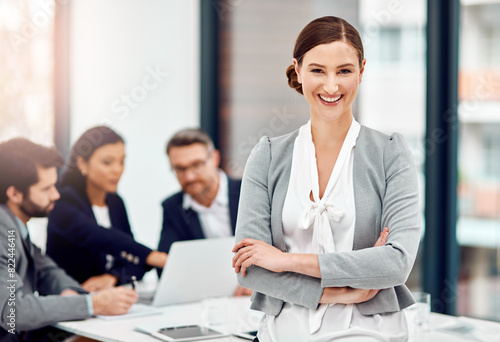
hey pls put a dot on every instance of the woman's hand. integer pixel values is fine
(254, 252)
(346, 295)
(100, 282)
(382, 239)
(241, 291)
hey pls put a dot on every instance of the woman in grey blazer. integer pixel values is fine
(311, 257)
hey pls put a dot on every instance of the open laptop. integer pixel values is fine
(197, 269)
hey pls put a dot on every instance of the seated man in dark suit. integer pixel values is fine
(207, 206)
(35, 292)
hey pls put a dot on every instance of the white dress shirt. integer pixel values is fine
(214, 220)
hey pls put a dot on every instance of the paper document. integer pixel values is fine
(138, 309)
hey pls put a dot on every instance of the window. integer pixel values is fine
(402, 45)
(491, 148)
(26, 69)
(478, 228)
(392, 95)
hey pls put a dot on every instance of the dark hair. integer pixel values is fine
(323, 30)
(190, 136)
(19, 159)
(84, 147)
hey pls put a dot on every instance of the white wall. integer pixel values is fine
(146, 51)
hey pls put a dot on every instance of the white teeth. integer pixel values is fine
(330, 99)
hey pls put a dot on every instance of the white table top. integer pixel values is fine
(444, 328)
(240, 318)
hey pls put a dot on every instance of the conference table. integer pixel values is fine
(238, 317)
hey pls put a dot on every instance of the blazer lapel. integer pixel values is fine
(280, 176)
(28, 250)
(233, 194)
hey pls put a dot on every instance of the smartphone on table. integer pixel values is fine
(187, 333)
(249, 335)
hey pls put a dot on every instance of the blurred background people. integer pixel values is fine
(43, 293)
(88, 231)
(207, 205)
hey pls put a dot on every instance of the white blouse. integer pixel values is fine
(103, 219)
(324, 225)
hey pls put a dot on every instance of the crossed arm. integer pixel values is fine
(383, 267)
(250, 252)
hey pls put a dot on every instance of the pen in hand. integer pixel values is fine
(134, 282)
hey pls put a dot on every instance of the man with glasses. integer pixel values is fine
(207, 206)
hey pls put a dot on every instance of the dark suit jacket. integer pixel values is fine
(79, 245)
(180, 224)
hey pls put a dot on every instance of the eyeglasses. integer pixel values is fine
(196, 167)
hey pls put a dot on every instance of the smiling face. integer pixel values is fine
(330, 75)
(104, 168)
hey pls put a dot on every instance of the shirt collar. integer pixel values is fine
(221, 198)
(22, 228)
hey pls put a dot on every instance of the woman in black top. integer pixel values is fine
(88, 232)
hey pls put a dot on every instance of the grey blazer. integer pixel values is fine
(386, 195)
(31, 311)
